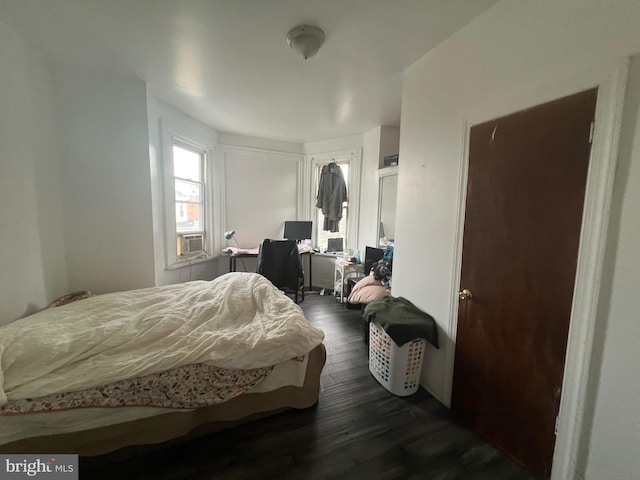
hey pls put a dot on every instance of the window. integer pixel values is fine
(350, 162)
(191, 188)
(189, 192)
(322, 235)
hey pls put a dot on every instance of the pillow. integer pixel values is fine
(369, 294)
(367, 290)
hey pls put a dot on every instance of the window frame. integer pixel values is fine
(202, 153)
(171, 234)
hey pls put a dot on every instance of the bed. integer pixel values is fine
(76, 378)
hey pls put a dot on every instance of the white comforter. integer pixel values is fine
(239, 320)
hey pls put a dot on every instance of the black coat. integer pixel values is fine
(332, 193)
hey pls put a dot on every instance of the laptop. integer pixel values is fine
(335, 245)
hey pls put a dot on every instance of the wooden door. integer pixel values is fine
(525, 194)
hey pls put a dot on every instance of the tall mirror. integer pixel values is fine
(387, 192)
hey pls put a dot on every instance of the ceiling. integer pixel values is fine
(227, 62)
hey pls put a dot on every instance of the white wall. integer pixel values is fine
(369, 189)
(388, 194)
(104, 152)
(263, 184)
(32, 257)
(333, 145)
(389, 142)
(261, 193)
(516, 55)
(260, 143)
(377, 143)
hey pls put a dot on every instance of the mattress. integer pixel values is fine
(17, 427)
(137, 432)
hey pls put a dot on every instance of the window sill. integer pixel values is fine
(189, 262)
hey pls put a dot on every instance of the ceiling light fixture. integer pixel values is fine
(306, 40)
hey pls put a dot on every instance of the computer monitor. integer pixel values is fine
(371, 256)
(297, 230)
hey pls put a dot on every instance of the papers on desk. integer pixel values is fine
(241, 251)
(304, 248)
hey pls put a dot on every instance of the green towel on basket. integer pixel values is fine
(402, 320)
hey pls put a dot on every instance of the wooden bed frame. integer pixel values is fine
(138, 435)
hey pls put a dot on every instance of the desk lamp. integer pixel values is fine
(231, 234)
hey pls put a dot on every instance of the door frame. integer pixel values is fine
(593, 236)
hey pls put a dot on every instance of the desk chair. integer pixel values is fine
(279, 261)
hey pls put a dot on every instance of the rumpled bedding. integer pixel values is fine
(237, 321)
(187, 387)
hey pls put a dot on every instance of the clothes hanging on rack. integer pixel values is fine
(332, 193)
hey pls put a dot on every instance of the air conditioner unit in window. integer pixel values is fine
(192, 243)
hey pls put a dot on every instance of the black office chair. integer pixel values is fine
(279, 261)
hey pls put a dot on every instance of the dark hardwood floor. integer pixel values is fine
(358, 430)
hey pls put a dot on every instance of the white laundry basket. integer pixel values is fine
(396, 368)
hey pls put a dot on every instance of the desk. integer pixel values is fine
(233, 258)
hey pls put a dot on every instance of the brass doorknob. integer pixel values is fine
(465, 294)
